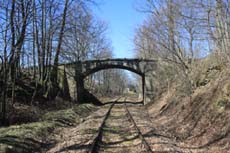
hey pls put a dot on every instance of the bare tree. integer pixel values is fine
(60, 39)
(171, 34)
(223, 27)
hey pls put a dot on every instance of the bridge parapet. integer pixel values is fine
(138, 66)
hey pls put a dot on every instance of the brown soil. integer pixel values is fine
(200, 123)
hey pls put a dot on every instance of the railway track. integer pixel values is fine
(98, 142)
(111, 129)
(115, 128)
(97, 139)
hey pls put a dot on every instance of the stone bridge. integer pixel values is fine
(88, 67)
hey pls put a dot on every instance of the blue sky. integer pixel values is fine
(122, 19)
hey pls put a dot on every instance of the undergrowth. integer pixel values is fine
(33, 136)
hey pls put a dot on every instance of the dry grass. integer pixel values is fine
(33, 136)
(201, 121)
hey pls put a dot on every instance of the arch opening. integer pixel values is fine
(112, 82)
(86, 68)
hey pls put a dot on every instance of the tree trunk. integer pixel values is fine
(54, 74)
(56, 58)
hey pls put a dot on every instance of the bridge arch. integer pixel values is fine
(85, 68)
(111, 66)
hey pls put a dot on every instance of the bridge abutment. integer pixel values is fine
(79, 82)
(143, 89)
(80, 89)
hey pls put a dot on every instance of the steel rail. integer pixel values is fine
(147, 146)
(95, 145)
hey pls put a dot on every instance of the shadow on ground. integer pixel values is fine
(124, 102)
